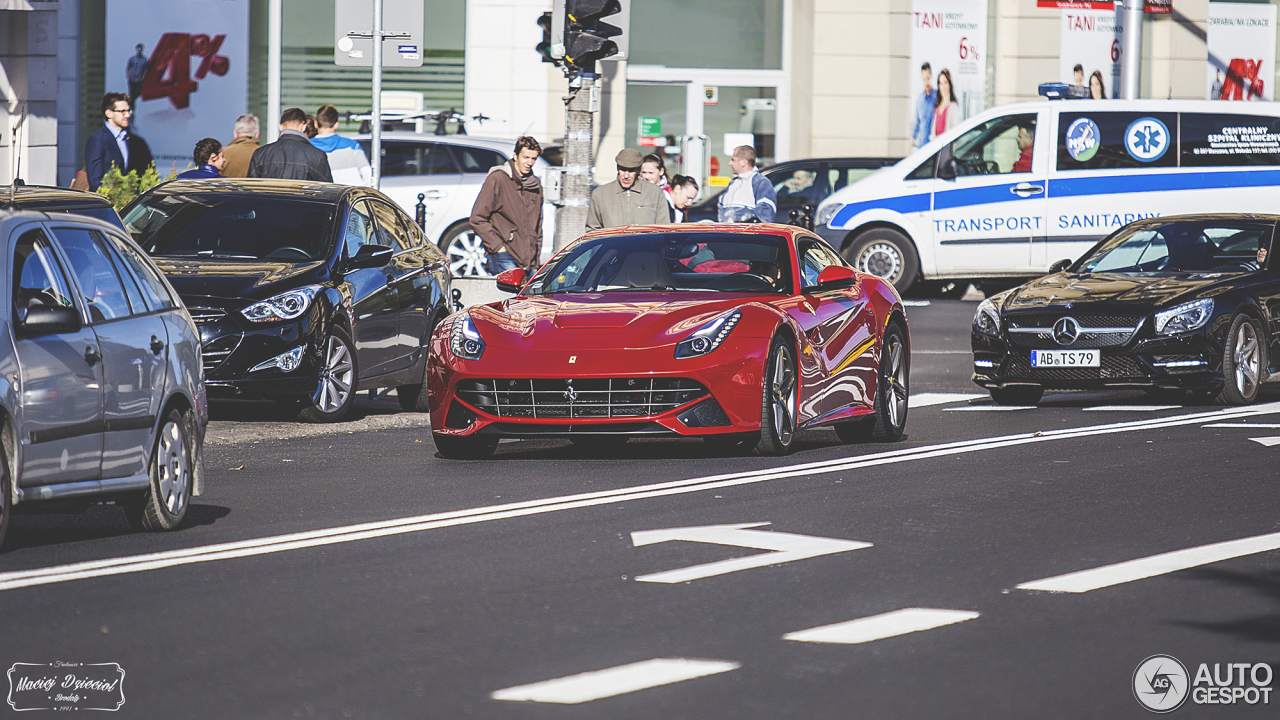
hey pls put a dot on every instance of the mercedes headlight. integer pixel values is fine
(709, 336)
(1185, 317)
(285, 306)
(826, 212)
(465, 340)
(986, 321)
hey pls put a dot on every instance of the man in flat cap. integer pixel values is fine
(626, 201)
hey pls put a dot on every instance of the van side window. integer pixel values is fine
(1097, 140)
(1222, 140)
(995, 147)
(926, 169)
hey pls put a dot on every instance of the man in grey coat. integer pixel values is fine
(626, 201)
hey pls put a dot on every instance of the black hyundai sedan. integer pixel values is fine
(303, 292)
(1189, 302)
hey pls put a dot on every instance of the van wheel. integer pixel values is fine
(886, 253)
(464, 251)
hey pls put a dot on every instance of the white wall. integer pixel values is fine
(29, 82)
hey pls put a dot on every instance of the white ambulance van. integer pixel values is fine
(1012, 190)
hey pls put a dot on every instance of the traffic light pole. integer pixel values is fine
(581, 104)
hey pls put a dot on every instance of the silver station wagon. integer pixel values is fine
(101, 388)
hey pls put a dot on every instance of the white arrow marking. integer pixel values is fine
(619, 680)
(1108, 575)
(877, 627)
(1267, 441)
(786, 547)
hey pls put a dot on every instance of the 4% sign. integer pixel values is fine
(169, 69)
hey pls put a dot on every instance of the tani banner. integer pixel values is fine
(951, 35)
(191, 79)
(1242, 51)
(1091, 46)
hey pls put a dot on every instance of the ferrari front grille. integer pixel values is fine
(579, 397)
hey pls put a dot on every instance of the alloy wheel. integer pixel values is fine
(336, 376)
(173, 467)
(1248, 360)
(466, 255)
(782, 392)
(896, 398)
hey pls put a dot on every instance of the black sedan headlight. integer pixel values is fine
(465, 340)
(986, 321)
(709, 336)
(285, 306)
(1184, 318)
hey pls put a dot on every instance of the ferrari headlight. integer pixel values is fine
(285, 306)
(709, 336)
(986, 321)
(826, 212)
(1185, 317)
(465, 340)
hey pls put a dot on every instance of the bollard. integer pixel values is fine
(457, 299)
(421, 210)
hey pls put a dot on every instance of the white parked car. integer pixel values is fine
(448, 170)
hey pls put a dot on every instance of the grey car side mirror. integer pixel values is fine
(50, 320)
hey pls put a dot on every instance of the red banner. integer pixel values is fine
(1155, 7)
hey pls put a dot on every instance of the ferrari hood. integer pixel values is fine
(1143, 289)
(600, 320)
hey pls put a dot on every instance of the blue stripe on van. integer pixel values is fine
(903, 204)
(986, 195)
(1162, 182)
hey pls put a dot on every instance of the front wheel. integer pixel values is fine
(414, 398)
(173, 460)
(336, 382)
(467, 447)
(465, 252)
(1244, 360)
(781, 400)
(886, 253)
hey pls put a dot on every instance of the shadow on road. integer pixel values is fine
(32, 530)
(1262, 628)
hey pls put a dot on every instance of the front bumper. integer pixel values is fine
(641, 392)
(232, 346)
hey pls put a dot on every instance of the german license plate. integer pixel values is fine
(1065, 358)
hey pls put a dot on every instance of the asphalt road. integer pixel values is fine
(412, 586)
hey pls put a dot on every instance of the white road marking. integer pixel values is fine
(619, 680)
(1130, 408)
(941, 352)
(989, 408)
(418, 523)
(1267, 441)
(1142, 568)
(915, 303)
(1269, 426)
(878, 627)
(786, 547)
(926, 399)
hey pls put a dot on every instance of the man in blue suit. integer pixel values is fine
(113, 144)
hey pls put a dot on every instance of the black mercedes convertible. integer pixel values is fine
(1179, 303)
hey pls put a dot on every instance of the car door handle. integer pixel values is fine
(156, 345)
(434, 194)
(1026, 189)
(91, 355)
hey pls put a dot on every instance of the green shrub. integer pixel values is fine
(122, 188)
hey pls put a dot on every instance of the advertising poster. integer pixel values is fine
(1242, 50)
(951, 35)
(1091, 43)
(194, 69)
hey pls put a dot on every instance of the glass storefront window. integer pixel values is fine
(708, 34)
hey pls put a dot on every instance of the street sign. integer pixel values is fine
(650, 126)
(786, 547)
(402, 28)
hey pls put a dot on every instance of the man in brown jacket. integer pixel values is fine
(508, 213)
(240, 150)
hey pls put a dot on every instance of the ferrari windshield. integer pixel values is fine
(684, 261)
(1218, 246)
(231, 227)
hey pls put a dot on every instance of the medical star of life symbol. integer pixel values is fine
(1148, 141)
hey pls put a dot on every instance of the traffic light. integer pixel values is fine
(544, 47)
(587, 39)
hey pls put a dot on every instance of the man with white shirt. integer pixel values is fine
(113, 144)
(750, 194)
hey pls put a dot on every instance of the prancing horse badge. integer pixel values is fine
(573, 359)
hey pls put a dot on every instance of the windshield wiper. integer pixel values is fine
(216, 253)
(650, 288)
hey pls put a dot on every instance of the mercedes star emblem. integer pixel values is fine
(1066, 330)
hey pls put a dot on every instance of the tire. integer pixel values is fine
(893, 388)
(1017, 394)
(886, 253)
(454, 447)
(163, 506)
(1244, 362)
(6, 481)
(780, 400)
(414, 398)
(464, 252)
(338, 370)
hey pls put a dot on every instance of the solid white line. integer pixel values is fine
(941, 352)
(1267, 441)
(382, 528)
(615, 681)
(1142, 568)
(990, 408)
(926, 399)
(878, 627)
(915, 303)
(1266, 426)
(1130, 408)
